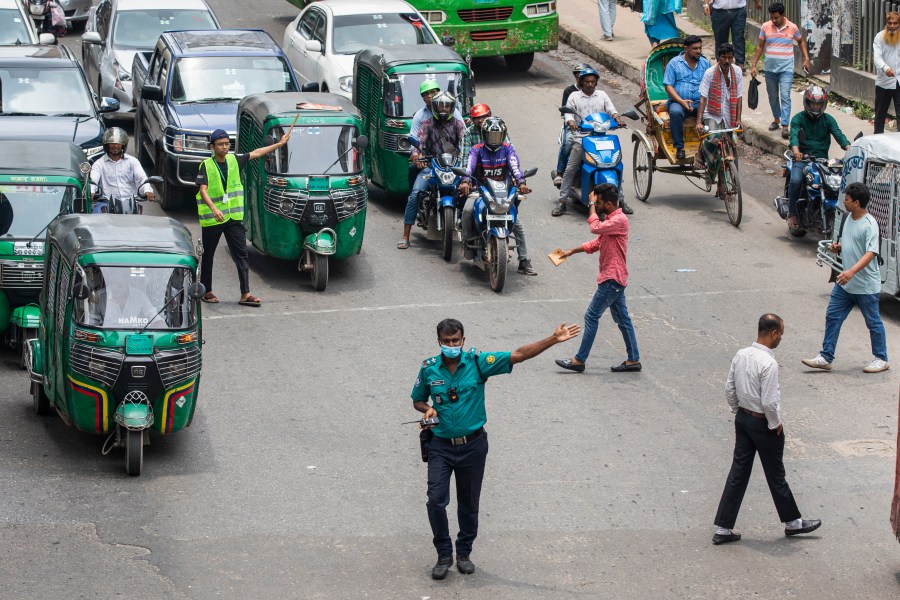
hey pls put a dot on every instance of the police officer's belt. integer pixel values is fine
(462, 440)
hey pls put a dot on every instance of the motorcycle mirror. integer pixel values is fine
(361, 141)
(460, 171)
(858, 135)
(81, 291)
(197, 290)
(156, 181)
(565, 110)
(310, 87)
(413, 141)
(530, 173)
(631, 115)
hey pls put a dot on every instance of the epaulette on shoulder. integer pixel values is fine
(428, 362)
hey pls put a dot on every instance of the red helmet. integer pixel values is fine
(480, 110)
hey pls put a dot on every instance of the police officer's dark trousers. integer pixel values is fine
(236, 238)
(467, 462)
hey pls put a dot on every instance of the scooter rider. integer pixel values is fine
(494, 158)
(116, 174)
(563, 156)
(818, 128)
(584, 102)
(443, 132)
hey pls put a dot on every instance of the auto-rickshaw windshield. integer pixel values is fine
(26, 209)
(406, 100)
(124, 297)
(312, 150)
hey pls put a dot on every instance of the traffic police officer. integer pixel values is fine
(454, 380)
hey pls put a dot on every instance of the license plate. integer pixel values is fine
(501, 219)
(141, 345)
(24, 249)
(318, 183)
(606, 145)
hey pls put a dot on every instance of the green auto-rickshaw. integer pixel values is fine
(307, 200)
(38, 182)
(119, 348)
(386, 82)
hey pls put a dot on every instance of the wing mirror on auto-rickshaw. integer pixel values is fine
(312, 86)
(81, 291)
(469, 88)
(448, 40)
(268, 141)
(196, 290)
(361, 141)
(631, 115)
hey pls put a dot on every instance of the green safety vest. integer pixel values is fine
(230, 202)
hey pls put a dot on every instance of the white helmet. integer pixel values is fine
(115, 135)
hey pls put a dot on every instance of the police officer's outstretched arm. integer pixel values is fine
(562, 334)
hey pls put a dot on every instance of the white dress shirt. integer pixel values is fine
(121, 178)
(753, 383)
(584, 105)
(728, 4)
(885, 56)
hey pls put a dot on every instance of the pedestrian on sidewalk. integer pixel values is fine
(607, 10)
(729, 17)
(612, 243)
(682, 80)
(886, 53)
(777, 36)
(658, 17)
(858, 285)
(754, 397)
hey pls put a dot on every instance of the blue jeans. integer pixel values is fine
(839, 306)
(795, 185)
(610, 294)
(421, 184)
(562, 159)
(778, 87)
(677, 115)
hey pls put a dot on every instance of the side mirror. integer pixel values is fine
(312, 86)
(413, 141)
(565, 110)
(91, 37)
(448, 40)
(81, 291)
(858, 135)
(530, 173)
(197, 290)
(469, 88)
(460, 171)
(313, 46)
(151, 92)
(361, 141)
(156, 181)
(108, 105)
(631, 115)
(268, 141)
(47, 39)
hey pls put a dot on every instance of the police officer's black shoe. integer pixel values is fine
(464, 565)
(442, 567)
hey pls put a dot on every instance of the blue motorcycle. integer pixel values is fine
(437, 205)
(602, 162)
(495, 211)
(818, 194)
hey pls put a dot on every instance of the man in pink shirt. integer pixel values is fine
(612, 244)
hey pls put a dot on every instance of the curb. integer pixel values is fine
(572, 38)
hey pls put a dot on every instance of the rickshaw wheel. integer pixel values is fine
(498, 259)
(642, 171)
(448, 219)
(319, 272)
(730, 183)
(40, 401)
(134, 452)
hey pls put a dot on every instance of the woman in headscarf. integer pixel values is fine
(659, 20)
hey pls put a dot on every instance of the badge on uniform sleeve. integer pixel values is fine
(491, 359)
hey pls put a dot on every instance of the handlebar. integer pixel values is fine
(729, 130)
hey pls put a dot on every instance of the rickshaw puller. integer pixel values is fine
(721, 90)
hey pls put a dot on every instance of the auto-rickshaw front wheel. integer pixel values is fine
(134, 451)
(319, 272)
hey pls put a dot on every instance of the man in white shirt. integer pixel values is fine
(754, 397)
(886, 55)
(116, 174)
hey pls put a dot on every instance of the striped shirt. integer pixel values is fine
(685, 80)
(779, 45)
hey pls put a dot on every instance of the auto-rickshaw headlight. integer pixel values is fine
(85, 168)
(403, 144)
(287, 207)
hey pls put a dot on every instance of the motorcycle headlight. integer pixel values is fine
(499, 207)
(833, 181)
(346, 83)
(447, 177)
(601, 127)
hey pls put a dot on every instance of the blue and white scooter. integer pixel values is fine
(437, 206)
(602, 161)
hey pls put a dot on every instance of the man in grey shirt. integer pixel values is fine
(858, 285)
(754, 397)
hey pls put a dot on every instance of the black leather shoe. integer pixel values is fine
(627, 209)
(567, 363)
(679, 154)
(464, 565)
(442, 567)
(624, 367)
(805, 527)
(725, 538)
(559, 210)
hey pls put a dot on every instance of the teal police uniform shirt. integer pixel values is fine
(466, 415)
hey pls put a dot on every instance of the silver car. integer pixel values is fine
(17, 28)
(118, 29)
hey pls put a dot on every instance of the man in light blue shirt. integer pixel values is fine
(682, 80)
(858, 285)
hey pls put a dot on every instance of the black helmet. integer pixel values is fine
(815, 99)
(442, 106)
(493, 132)
(577, 69)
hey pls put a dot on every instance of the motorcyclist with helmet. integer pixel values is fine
(477, 116)
(494, 158)
(442, 133)
(427, 89)
(118, 175)
(563, 156)
(818, 128)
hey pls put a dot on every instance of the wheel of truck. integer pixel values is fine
(519, 62)
(449, 217)
(40, 401)
(319, 272)
(171, 196)
(134, 452)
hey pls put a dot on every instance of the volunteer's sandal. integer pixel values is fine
(210, 297)
(403, 244)
(250, 300)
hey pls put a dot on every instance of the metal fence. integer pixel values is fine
(868, 20)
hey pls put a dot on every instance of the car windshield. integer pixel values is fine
(407, 100)
(228, 78)
(353, 33)
(312, 150)
(26, 209)
(140, 29)
(13, 29)
(43, 92)
(130, 298)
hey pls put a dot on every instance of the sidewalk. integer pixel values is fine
(579, 27)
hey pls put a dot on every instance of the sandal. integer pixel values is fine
(402, 244)
(210, 298)
(250, 300)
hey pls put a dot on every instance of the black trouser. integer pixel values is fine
(467, 462)
(752, 435)
(732, 21)
(883, 97)
(236, 238)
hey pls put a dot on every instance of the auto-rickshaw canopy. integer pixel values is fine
(51, 159)
(382, 58)
(76, 235)
(263, 105)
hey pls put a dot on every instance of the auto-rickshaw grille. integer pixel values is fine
(16, 275)
(391, 141)
(100, 364)
(349, 201)
(178, 365)
(291, 203)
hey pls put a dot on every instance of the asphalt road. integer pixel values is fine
(296, 479)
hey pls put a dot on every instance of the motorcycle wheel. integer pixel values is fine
(134, 452)
(642, 170)
(448, 218)
(40, 401)
(730, 182)
(498, 259)
(319, 272)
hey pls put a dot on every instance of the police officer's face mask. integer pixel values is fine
(451, 351)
